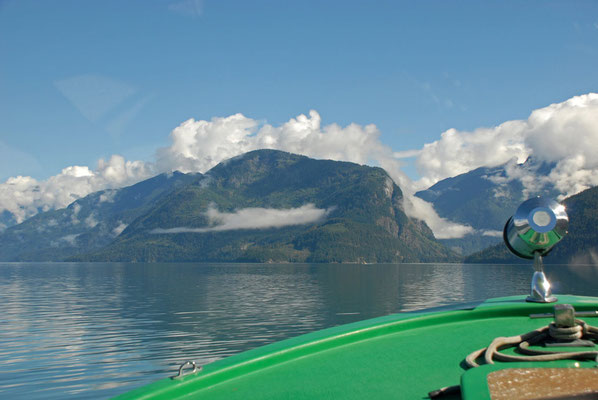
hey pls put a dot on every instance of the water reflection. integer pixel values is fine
(96, 330)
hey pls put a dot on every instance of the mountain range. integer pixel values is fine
(579, 246)
(484, 199)
(263, 206)
(86, 224)
(273, 206)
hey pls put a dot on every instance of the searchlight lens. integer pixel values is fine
(541, 218)
(538, 224)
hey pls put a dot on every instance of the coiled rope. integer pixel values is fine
(537, 337)
(523, 342)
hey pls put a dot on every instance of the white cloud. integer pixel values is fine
(108, 196)
(70, 239)
(255, 218)
(119, 228)
(406, 153)
(564, 130)
(492, 233)
(197, 146)
(500, 191)
(442, 228)
(91, 221)
(572, 175)
(459, 152)
(527, 173)
(24, 196)
(75, 213)
(563, 133)
(200, 145)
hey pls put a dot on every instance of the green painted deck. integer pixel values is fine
(400, 356)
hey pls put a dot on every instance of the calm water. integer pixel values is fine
(71, 330)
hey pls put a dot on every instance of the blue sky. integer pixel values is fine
(83, 80)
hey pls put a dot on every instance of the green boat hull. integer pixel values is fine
(401, 356)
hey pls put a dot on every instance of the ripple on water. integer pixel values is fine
(71, 330)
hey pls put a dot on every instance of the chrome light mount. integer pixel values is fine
(534, 229)
(541, 291)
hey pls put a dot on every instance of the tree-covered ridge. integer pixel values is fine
(365, 220)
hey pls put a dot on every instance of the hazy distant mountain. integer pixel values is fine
(579, 246)
(484, 199)
(269, 205)
(6, 219)
(86, 224)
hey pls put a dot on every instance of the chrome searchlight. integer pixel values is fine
(538, 224)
